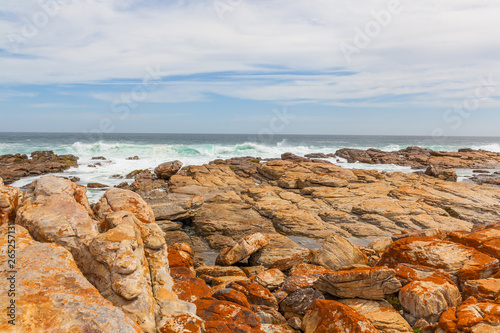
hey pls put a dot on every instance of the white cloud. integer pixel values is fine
(432, 49)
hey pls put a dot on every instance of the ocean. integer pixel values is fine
(196, 149)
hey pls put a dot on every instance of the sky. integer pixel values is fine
(395, 67)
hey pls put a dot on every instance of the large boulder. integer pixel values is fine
(337, 253)
(168, 169)
(428, 299)
(243, 249)
(462, 263)
(471, 316)
(367, 283)
(116, 199)
(51, 294)
(381, 314)
(333, 317)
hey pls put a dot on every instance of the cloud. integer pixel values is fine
(430, 53)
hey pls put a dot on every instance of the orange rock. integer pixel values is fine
(213, 310)
(218, 271)
(337, 253)
(232, 295)
(255, 293)
(461, 262)
(485, 241)
(217, 326)
(482, 290)
(51, 294)
(304, 269)
(471, 316)
(333, 317)
(10, 197)
(294, 283)
(190, 289)
(185, 323)
(407, 273)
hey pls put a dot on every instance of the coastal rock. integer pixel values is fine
(417, 157)
(449, 175)
(243, 249)
(271, 256)
(470, 316)
(337, 253)
(297, 303)
(271, 279)
(54, 296)
(168, 169)
(15, 167)
(333, 317)
(171, 206)
(367, 283)
(255, 293)
(10, 197)
(486, 240)
(116, 199)
(462, 263)
(428, 298)
(381, 314)
(483, 290)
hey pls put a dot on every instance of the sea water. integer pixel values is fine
(197, 149)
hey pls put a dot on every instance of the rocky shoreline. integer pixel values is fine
(138, 259)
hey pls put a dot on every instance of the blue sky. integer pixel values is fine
(230, 66)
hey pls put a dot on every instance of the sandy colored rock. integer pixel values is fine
(337, 253)
(243, 249)
(116, 199)
(271, 279)
(428, 298)
(462, 263)
(52, 295)
(10, 198)
(168, 169)
(333, 317)
(381, 314)
(367, 283)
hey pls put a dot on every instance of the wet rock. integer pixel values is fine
(334, 317)
(337, 253)
(367, 283)
(96, 185)
(15, 167)
(449, 175)
(133, 158)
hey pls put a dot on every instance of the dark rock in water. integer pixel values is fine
(168, 169)
(480, 171)
(319, 155)
(294, 158)
(92, 166)
(16, 166)
(134, 173)
(117, 176)
(96, 185)
(133, 158)
(449, 175)
(122, 185)
(419, 158)
(99, 158)
(465, 150)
